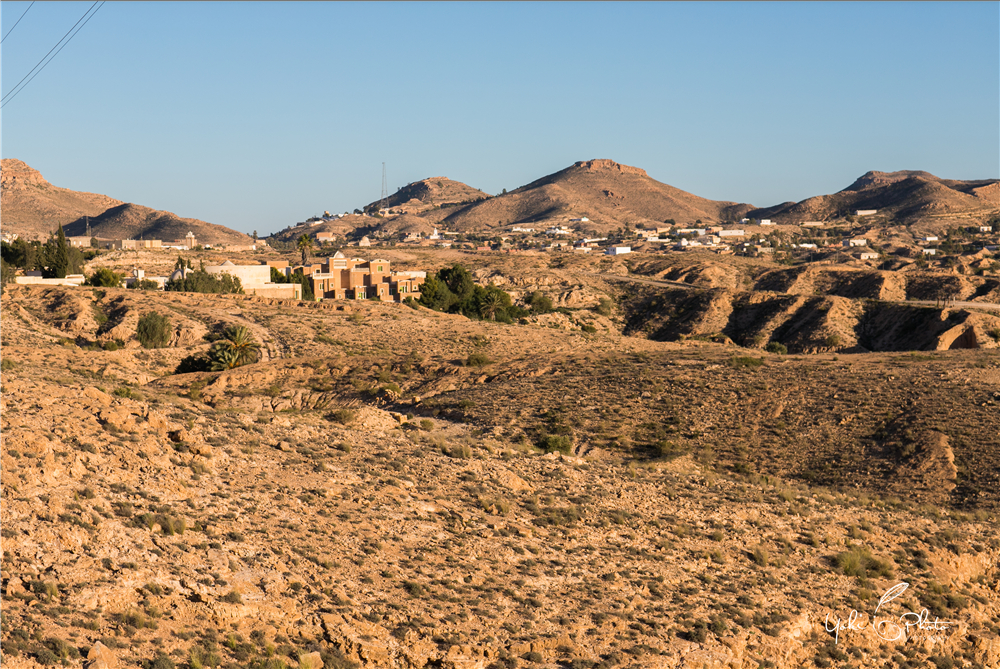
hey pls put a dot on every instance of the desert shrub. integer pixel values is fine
(540, 302)
(478, 360)
(426, 424)
(342, 416)
(231, 597)
(110, 346)
(123, 391)
(759, 556)
(604, 306)
(556, 443)
(744, 362)
(153, 330)
(832, 341)
(161, 661)
(995, 334)
(589, 329)
(7, 364)
(859, 562)
(776, 347)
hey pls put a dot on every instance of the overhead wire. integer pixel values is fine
(17, 89)
(16, 22)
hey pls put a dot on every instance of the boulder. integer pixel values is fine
(101, 657)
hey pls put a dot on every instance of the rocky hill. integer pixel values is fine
(133, 221)
(33, 208)
(905, 196)
(428, 194)
(609, 194)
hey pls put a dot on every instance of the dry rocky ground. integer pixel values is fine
(373, 492)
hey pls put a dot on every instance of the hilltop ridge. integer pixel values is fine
(33, 208)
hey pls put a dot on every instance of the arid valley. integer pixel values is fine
(675, 456)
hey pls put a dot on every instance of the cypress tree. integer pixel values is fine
(59, 259)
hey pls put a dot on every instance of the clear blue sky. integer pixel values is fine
(258, 115)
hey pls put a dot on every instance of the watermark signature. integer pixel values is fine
(909, 625)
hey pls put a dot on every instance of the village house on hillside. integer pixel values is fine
(342, 278)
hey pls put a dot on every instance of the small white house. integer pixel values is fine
(929, 252)
(929, 238)
(732, 233)
(857, 241)
(865, 212)
(807, 246)
(766, 221)
(744, 221)
(985, 228)
(618, 250)
(869, 255)
(583, 219)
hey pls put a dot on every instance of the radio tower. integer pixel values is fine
(383, 204)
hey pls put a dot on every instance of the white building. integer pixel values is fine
(558, 230)
(869, 255)
(579, 220)
(929, 238)
(929, 252)
(732, 233)
(618, 250)
(857, 241)
(865, 212)
(766, 221)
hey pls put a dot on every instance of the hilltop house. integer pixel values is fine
(857, 241)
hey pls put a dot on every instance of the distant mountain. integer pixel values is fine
(607, 193)
(33, 208)
(133, 221)
(906, 196)
(427, 194)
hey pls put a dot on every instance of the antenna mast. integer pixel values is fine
(384, 200)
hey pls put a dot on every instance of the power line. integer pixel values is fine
(18, 21)
(13, 92)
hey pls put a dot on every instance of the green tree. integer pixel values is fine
(153, 330)
(303, 280)
(58, 256)
(6, 274)
(200, 281)
(105, 277)
(490, 304)
(277, 276)
(237, 348)
(540, 302)
(304, 244)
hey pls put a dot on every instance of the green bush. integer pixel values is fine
(859, 562)
(478, 360)
(153, 330)
(556, 443)
(106, 278)
(540, 302)
(342, 416)
(604, 306)
(833, 341)
(589, 329)
(776, 347)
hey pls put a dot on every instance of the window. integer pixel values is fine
(379, 268)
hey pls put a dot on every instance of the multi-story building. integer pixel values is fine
(342, 278)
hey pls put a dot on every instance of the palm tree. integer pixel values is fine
(304, 243)
(238, 348)
(492, 303)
